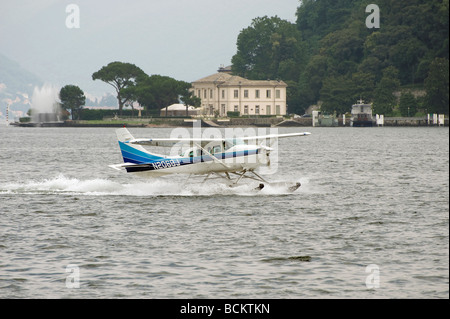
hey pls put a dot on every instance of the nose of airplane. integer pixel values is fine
(267, 148)
(265, 160)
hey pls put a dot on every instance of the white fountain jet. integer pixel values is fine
(45, 104)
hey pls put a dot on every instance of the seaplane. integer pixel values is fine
(230, 159)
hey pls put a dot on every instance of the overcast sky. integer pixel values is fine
(184, 39)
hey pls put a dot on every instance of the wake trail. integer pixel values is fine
(155, 187)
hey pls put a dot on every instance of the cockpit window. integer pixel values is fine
(215, 149)
(233, 142)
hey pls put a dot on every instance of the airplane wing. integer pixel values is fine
(270, 136)
(169, 142)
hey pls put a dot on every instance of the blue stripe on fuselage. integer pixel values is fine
(160, 162)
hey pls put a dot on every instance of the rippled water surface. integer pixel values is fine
(372, 199)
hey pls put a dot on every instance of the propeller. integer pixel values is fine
(268, 150)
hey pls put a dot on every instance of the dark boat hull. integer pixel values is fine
(363, 124)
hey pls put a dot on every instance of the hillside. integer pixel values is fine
(16, 85)
(330, 55)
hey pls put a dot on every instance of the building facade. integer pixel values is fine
(223, 92)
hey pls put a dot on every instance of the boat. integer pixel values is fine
(324, 119)
(362, 115)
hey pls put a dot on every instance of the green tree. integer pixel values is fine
(405, 55)
(337, 94)
(165, 90)
(72, 98)
(187, 96)
(330, 40)
(311, 81)
(408, 104)
(140, 91)
(384, 99)
(437, 87)
(119, 75)
(363, 85)
(270, 48)
(156, 92)
(344, 46)
(318, 18)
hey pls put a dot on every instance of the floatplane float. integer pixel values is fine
(231, 160)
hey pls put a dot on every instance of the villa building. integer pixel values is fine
(223, 92)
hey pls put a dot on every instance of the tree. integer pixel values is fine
(330, 40)
(337, 95)
(187, 96)
(437, 86)
(311, 80)
(156, 92)
(363, 85)
(384, 99)
(371, 65)
(408, 104)
(270, 48)
(72, 98)
(120, 76)
(412, 34)
(318, 18)
(165, 91)
(344, 45)
(405, 55)
(140, 92)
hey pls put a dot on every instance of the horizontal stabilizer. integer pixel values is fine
(128, 165)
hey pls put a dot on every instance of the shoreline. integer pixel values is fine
(231, 122)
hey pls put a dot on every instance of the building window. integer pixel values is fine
(245, 109)
(204, 93)
(236, 94)
(236, 108)
(223, 109)
(257, 94)
(246, 94)
(268, 110)
(278, 110)
(257, 109)
(210, 93)
(268, 94)
(223, 94)
(278, 94)
(199, 94)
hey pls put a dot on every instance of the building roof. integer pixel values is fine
(225, 79)
(226, 69)
(178, 107)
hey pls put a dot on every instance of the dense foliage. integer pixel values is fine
(152, 92)
(330, 55)
(119, 75)
(72, 98)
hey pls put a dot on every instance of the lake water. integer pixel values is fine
(371, 220)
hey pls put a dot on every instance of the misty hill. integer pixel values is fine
(16, 85)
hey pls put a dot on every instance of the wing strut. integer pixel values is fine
(215, 159)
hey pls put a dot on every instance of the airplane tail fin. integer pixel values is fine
(132, 153)
(123, 135)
